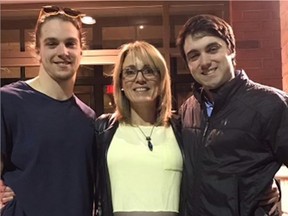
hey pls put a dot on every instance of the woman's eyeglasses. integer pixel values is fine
(130, 73)
(54, 10)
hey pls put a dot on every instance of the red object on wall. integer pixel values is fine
(109, 89)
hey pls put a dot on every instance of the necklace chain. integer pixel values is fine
(148, 138)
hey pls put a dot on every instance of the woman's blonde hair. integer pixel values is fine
(152, 57)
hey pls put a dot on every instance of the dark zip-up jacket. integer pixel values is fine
(232, 156)
(105, 127)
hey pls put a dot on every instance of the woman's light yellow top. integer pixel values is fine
(144, 180)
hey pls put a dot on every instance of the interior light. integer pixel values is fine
(88, 20)
(141, 27)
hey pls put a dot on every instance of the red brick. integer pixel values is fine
(270, 43)
(237, 15)
(247, 44)
(250, 64)
(247, 26)
(254, 53)
(277, 54)
(257, 15)
(256, 35)
(284, 54)
(252, 73)
(277, 83)
(273, 25)
(274, 82)
(285, 82)
(284, 42)
(275, 14)
(284, 38)
(260, 74)
(285, 69)
(271, 72)
(272, 63)
(256, 4)
(283, 7)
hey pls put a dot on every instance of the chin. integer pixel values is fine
(144, 101)
(65, 77)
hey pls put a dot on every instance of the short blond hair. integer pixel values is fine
(43, 18)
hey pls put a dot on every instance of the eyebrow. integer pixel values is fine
(134, 66)
(72, 39)
(130, 66)
(50, 39)
(207, 46)
(56, 39)
(214, 44)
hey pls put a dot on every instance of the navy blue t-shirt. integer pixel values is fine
(47, 148)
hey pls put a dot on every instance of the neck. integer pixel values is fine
(56, 90)
(209, 95)
(143, 115)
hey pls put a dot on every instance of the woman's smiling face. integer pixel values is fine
(143, 89)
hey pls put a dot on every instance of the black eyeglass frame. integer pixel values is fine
(156, 72)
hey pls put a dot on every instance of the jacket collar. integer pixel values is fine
(223, 94)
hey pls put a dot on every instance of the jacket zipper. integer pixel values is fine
(207, 124)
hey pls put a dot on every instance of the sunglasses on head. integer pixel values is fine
(54, 10)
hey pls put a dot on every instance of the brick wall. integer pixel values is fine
(257, 30)
(284, 41)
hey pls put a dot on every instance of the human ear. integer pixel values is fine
(38, 57)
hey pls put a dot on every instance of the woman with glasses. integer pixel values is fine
(47, 133)
(140, 160)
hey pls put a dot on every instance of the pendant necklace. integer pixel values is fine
(148, 138)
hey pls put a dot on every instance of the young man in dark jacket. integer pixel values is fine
(234, 130)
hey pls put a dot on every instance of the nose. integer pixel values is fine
(205, 61)
(140, 76)
(62, 50)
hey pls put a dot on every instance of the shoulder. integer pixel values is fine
(265, 101)
(85, 108)
(14, 93)
(192, 99)
(105, 117)
(175, 118)
(264, 95)
(250, 90)
(175, 121)
(188, 105)
(13, 88)
(105, 121)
